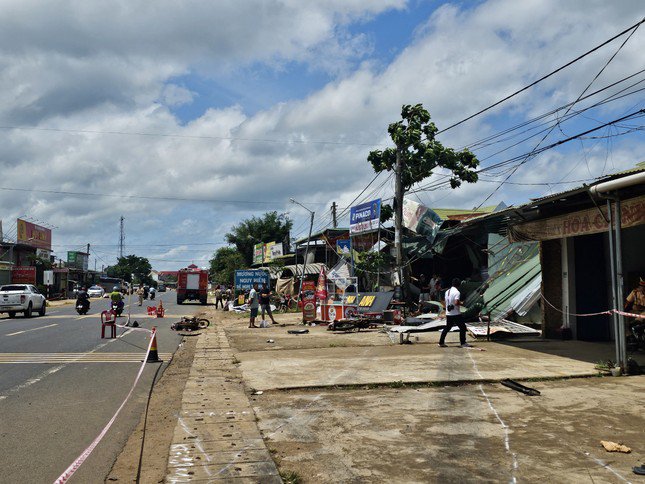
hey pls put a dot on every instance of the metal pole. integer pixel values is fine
(612, 260)
(619, 286)
(378, 249)
(304, 262)
(398, 220)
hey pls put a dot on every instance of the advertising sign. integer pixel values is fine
(308, 297)
(77, 260)
(420, 219)
(48, 278)
(365, 217)
(321, 287)
(245, 279)
(34, 235)
(23, 275)
(267, 251)
(276, 250)
(258, 253)
(343, 247)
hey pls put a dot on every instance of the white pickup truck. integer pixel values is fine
(21, 298)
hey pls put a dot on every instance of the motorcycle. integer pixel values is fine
(117, 307)
(82, 306)
(636, 336)
(152, 296)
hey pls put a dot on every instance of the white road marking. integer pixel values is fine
(33, 329)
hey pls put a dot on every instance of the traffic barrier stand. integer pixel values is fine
(160, 310)
(108, 318)
(153, 356)
(152, 310)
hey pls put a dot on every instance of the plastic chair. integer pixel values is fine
(108, 318)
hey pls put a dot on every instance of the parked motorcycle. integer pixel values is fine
(636, 336)
(82, 306)
(117, 307)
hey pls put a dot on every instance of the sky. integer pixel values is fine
(188, 117)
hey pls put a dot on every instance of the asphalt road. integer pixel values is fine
(60, 384)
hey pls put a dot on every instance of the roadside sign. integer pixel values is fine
(308, 296)
(365, 217)
(246, 278)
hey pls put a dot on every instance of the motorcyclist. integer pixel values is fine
(635, 304)
(82, 299)
(117, 299)
(152, 292)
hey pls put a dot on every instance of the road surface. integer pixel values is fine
(60, 383)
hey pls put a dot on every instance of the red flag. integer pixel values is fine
(321, 288)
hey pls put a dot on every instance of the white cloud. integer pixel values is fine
(103, 70)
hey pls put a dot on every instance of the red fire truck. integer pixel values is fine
(192, 284)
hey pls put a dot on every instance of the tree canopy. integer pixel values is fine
(224, 264)
(414, 137)
(271, 227)
(129, 265)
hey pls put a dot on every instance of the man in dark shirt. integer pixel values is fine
(265, 302)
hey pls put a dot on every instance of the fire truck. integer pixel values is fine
(192, 284)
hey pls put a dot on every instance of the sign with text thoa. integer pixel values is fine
(245, 279)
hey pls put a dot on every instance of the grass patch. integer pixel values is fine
(290, 477)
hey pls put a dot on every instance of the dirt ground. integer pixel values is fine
(409, 433)
(165, 405)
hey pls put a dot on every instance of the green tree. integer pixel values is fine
(271, 227)
(224, 264)
(129, 265)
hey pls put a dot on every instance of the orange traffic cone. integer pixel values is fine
(160, 310)
(153, 356)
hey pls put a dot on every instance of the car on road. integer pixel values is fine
(95, 291)
(21, 298)
(161, 288)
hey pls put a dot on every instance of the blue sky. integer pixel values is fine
(260, 101)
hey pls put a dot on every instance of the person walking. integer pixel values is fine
(218, 297)
(265, 302)
(140, 293)
(254, 304)
(453, 315)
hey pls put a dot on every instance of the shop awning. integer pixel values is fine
(296, 270)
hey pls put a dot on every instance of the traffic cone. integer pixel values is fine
(160, 310)
(153, 356)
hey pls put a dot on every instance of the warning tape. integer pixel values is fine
(69, 472)
(608, 312)
(632, 315)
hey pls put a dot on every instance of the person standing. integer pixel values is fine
(453, 315)
(218, 297)
(254, 304)
(265, 302)
(140, 293)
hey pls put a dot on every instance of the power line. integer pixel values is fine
(633, 27)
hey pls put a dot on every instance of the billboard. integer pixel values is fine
(343, 247)
(77, 260)
(365, 217)
(258, 253)
(34, 235)
(276, 250)
(420, 219)
(245, 279)
(23, 275)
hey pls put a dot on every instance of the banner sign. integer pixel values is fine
(77, 260)
(583, 222)
(245, 279)
(258, 253)
(34, 235)
(23, 275)
(365, 217)
(276, 250)
(420, 219)
(48, 278)
(343, 247)
(321, 287)
(308, 298)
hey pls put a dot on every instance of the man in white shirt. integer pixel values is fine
(453, 315)
(254, 304)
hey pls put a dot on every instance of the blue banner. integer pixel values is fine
(245, 279)
(365, 217)
(344, 246)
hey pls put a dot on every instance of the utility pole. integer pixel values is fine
(121, 239)
(398, 220)
(333, 215)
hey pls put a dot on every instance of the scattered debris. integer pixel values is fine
(513, 385)
(614, 447)
(270, 341)
(298, 331)
(258, 392)
(640, 470)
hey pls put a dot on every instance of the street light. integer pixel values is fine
(311, 225)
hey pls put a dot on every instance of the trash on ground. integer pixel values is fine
(640, 470)
(615, 447)
(270, 341)
(513, 385)
(298, 331)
